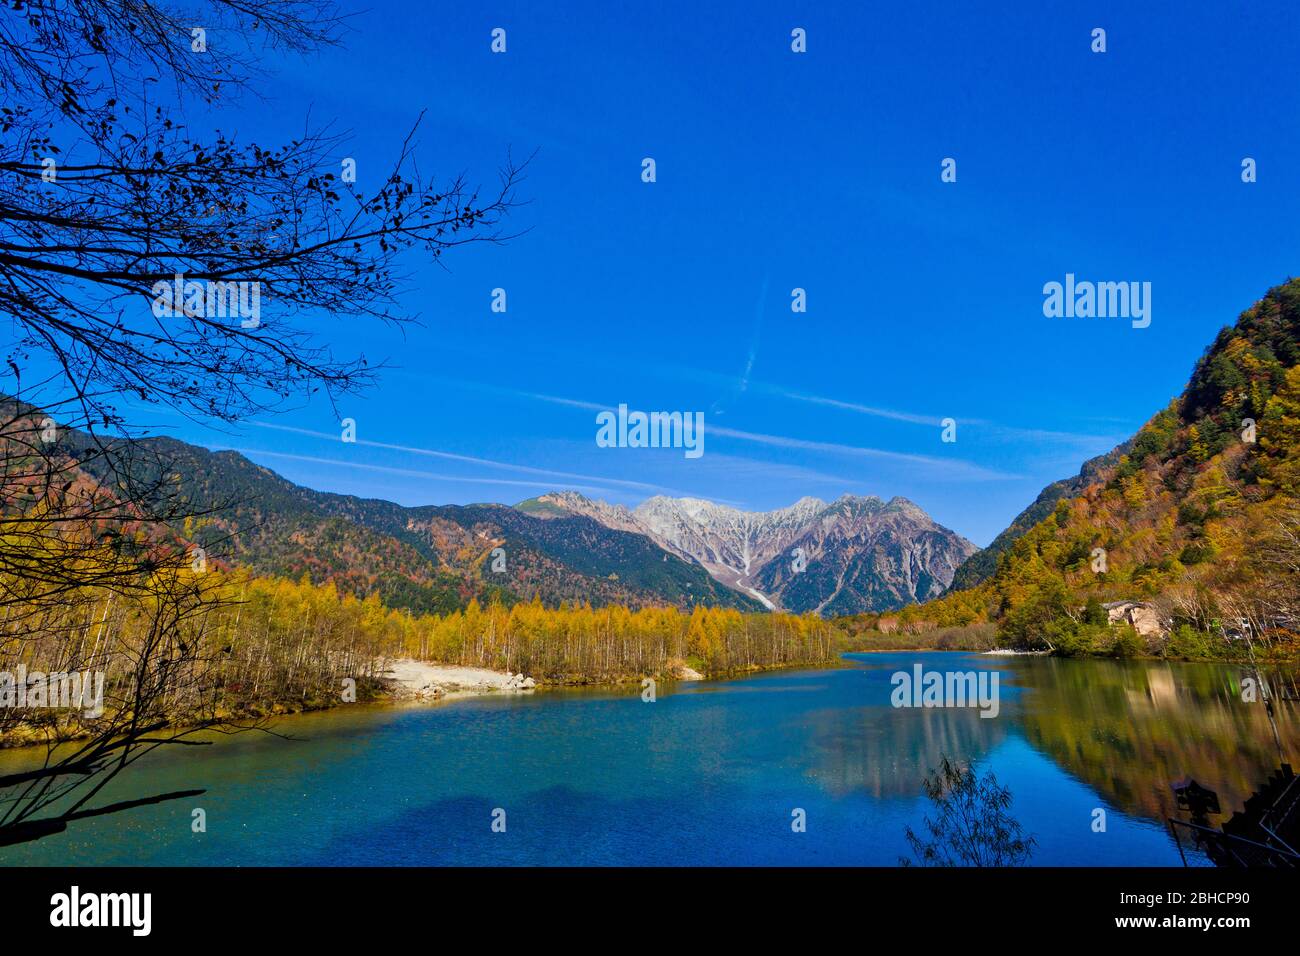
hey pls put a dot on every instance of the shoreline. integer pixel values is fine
(1261, 660)
(409, 682)
(408, 679)
(405, 681)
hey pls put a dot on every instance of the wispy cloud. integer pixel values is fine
(953, 467)
(743, 470)
(987, 428)
(911, 417)
(470, 459)
(575, 481)
(742, 384)
(993, 428)
(408, 472)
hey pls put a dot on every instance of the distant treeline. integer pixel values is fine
(262, 645)
(875, 631)
(290, 635)
(574, 644)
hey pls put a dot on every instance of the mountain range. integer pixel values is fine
(851, 555)
(1179, 502)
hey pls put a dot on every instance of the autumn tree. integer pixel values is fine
(1279, 436)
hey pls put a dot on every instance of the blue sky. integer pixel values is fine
(778, 170)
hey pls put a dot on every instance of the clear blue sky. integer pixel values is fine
(820, 171)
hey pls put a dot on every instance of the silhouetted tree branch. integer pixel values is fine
(107, 201)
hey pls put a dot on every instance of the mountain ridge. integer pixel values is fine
(853, 554)
(430, 558)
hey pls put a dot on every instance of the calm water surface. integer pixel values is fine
(708, 774)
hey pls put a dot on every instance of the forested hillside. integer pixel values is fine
(431, 559)
(983, 564)
(1199, 517)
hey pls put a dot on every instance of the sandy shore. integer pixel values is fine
(420, 680)
(409, 679)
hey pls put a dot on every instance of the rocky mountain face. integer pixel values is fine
(854, 554)
(864, 554)
(559, 504)
(720, 537)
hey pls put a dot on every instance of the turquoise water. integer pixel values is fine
(709, 773)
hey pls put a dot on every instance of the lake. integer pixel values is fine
(709, 773)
